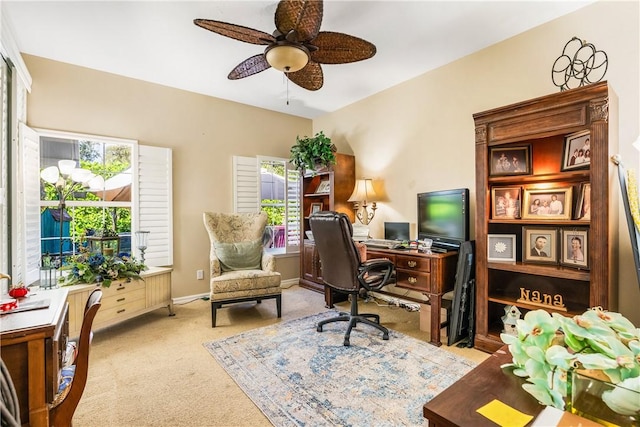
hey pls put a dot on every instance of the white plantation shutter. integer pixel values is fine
(154, 208)
(29, 154)
(245, 184)
(293, 208)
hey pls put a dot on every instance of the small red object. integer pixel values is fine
(8, 304)
(19, 292)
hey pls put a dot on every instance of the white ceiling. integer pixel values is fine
(156, 41)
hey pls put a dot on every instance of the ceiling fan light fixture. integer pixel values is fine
(288, 58)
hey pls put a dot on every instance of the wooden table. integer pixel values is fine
(432, 274)
(457, 405)
(32, 343)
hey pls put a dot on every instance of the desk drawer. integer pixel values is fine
(413, 263)
(375, 255)
(415, 280)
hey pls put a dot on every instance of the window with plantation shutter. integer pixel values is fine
(145, 203)
(268, 184)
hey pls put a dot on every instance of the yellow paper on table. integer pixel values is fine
(504, 415)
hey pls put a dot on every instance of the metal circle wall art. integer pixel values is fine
(580, 64)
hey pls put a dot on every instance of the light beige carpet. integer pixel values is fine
(154, 371)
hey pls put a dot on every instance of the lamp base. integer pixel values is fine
(360, 232)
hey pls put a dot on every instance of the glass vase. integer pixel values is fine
(586, 399)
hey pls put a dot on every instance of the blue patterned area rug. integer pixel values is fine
(299, 377)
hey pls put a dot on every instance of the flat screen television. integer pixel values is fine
(443, 216)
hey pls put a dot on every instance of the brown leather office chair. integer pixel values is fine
(344, 271)
(66, 401)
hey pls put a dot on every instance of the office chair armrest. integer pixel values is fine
(375, 273)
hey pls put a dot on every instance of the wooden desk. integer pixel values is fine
(432, 274)
(32, 343)
(457, 405)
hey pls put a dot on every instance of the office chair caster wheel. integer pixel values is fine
(319, 328)
(346, 343)
(385, 337)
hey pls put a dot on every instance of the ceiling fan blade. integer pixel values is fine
(339, 48)
(237, 32)
(303, 16)
(310, 77)
(249, 67)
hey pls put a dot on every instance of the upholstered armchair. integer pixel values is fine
(240, 269)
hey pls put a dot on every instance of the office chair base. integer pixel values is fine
(353, 323)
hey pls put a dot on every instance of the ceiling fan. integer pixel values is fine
(297, 46)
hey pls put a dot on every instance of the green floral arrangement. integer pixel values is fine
(549, 347)
(100, 269)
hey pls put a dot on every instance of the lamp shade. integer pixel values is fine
(363, 191)
(50, 174)
(287, 58)
(66, 167)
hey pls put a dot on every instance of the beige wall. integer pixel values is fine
(203, 133)
(419, 136)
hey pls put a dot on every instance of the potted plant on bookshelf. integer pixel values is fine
(313, 153)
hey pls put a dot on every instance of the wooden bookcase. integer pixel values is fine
(339, 181)
(544, 124)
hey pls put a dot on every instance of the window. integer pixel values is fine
(272, 185)
(125, 187)
(76, 205)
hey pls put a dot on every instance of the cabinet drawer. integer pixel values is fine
(121, 309)
(413, 263)
(415, 280)
(118, 288)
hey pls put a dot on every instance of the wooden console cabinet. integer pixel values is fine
(543, 126)
(32, 346)
(122, 300)
(431, 274)
(341, 180)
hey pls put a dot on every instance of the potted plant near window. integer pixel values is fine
(313, 152)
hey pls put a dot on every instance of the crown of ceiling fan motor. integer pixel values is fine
(286, 56)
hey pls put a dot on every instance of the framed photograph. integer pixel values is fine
(323, 187)
(505, 202)
(575, 247)
(577, 151)
(548, 203)
(501, 247)
(510, 161)
(540, 245)
(583, 204)
(315, 207)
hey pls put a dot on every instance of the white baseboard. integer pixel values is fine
(189, 298)
(183, 300)
(289, 283)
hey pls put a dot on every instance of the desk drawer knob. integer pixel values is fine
(412, 280)
(120, 299)
(121, 311)
(412, 263)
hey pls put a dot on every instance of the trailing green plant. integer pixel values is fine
(312, 152)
